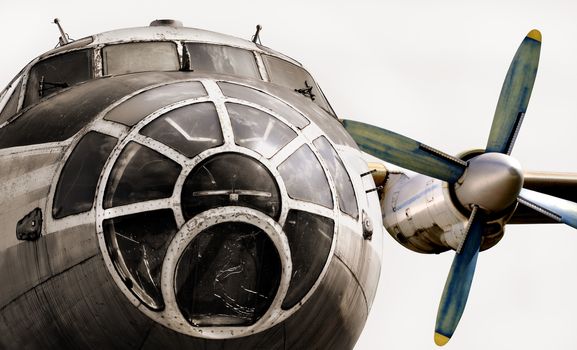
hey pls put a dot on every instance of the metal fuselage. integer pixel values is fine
(164, 208)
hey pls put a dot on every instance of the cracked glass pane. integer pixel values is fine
(227, 276)
(137, 245)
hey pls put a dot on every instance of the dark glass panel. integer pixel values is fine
(265, 100)
(190, 129)
(230, 179)
(77, 184)
(310, 237)
(258, 130)
(227, 276)
(295, 78)
(210, 58)
(139, 57)
(345, 191)
(56, 73)
(140, 106)
(305, 179)
(12, 105)
(137, 245)
(140, 174)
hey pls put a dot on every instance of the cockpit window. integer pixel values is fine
(310, 238)
(12, 104)
(140, 57)
(77, 184)
(210, 58)
(294, 77)
(190, 129)
(140, 106)
(274, 104)
(140, 174)
(258, 130)
(305, 179)
(345, 191)
(56, 73)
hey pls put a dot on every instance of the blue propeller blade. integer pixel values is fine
(515, 95)
(405, 152)
(459, 282)
(558, 209)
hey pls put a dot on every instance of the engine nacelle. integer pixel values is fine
(420, 213)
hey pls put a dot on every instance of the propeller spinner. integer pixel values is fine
(486, 184)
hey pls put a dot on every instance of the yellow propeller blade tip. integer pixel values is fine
(440, 339)
(535, 35)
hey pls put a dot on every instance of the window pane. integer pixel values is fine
(209, 58)
(190, 129)
(140, 106)
(140, 57)
(227, 276)
(310, 237)
(56, 73)
(77, 184)
(305, 179)
(258, 130)
(12, 105)
(295, 78)
(137, 245)
(265, 100)
(230, 179)
(140, 174)
(345, 191)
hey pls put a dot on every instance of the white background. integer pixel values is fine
(431, 70)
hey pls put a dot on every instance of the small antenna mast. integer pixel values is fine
(64, 38)
(256, 37)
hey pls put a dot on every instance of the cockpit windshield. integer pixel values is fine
(210, 58)
(140, 57)
(56, 73)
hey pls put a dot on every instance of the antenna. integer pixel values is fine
(256, 37)
(64, 38)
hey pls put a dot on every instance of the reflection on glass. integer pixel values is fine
(305, 179)
(210, 58)
(140, 174)
(345, 191)
(77, 184)
(294, 77)
(139, 57)
(258, 130)
(230, 179)
(56, 73)
(190, 129)
(310, 237)
(137, 245)
(227, 276)
(265, 100)
(140, 106)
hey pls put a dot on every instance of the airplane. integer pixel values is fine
(166, 186)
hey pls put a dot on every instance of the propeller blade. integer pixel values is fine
(558, 209)
(405, 152)
(515, 95)
(459, 281)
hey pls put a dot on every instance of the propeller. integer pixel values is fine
(486, 184)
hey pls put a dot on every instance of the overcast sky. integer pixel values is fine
(431, 70)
